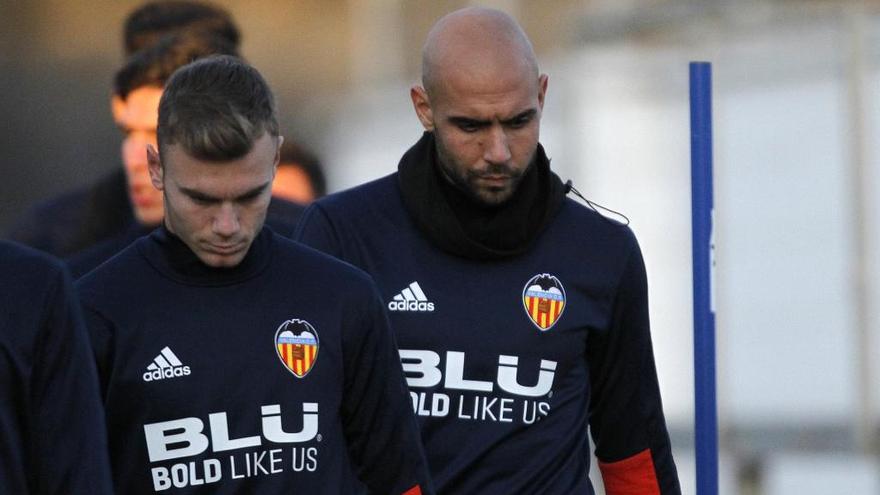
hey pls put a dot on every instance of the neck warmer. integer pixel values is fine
(461, 225)
(174, 259)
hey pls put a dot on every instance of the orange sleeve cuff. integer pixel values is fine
(634, 475)
(416, 490)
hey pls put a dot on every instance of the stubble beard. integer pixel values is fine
(466, 180)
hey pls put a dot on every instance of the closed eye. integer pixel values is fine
(203, 199)
(521, 120)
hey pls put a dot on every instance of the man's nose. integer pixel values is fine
(134, 152)
(226, 221)
(495, 148)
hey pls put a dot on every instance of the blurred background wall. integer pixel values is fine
(797, 123)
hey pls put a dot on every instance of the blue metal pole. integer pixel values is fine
(706, 412)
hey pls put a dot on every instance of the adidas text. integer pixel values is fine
(166, 373)
(412, 298)
(165, 365)
(410, 306)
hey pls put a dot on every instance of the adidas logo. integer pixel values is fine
(411, 299)
(165, 365)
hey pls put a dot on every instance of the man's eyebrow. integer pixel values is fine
(253, 193)
(468, 121)
(249, 194)
(128, 128)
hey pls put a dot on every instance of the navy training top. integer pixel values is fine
(508, 362)
(52, 438)
(278, 375)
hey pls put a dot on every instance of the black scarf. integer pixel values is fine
(460, 225)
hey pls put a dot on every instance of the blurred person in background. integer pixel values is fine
(75, 220)
(521, 315)
(147, 24)
(52, 433)
(300, 177)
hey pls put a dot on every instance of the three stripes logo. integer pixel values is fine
(165, 365)
(544, 300)
(296, 343)
(411, 299)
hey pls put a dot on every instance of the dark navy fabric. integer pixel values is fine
(208, 420)
(90, 224)
(283, 216)
(75, 220)
(52, 438)
(89, 258)
(504, 404)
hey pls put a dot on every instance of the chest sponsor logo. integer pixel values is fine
(165, 365)
(544, 300)
(413, 299)
(439, 388)
(296, 343)
(187, 452)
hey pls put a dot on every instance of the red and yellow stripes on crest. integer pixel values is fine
(299, 358)
(543, 318)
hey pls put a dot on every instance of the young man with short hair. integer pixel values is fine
(233, 360)
(137, 89)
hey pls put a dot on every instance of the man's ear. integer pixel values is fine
(155, 165)
(117, 107)
(422, 105)
(542, 89)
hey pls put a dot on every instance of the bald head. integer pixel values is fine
(481, 98)
(476, 43)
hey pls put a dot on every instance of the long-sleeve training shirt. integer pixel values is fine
(276, 376)
(508, 362)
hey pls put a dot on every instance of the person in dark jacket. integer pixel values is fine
(52, 437)
(521, 314)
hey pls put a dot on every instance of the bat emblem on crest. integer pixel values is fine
(544, 300)
(296, 343)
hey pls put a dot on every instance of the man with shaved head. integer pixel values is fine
(521, 315)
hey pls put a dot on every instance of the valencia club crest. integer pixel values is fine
(296, 342)
(544, 300)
